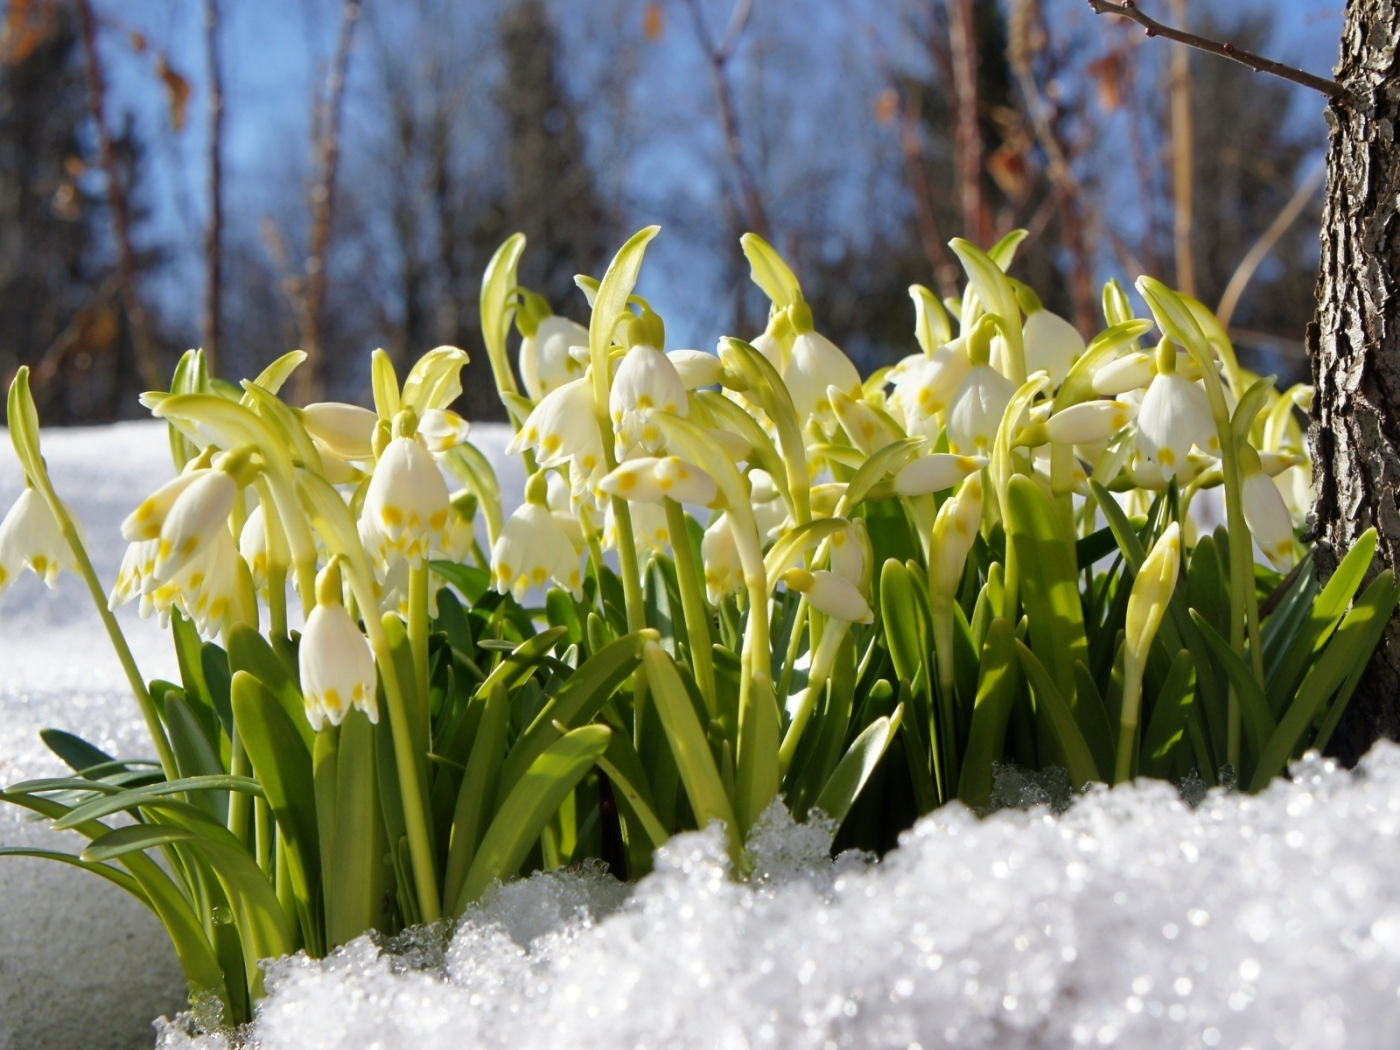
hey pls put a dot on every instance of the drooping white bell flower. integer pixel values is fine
(814, 364)
(645, 382)
(198, 514)
(441, 430)
(867, 431)
(206, 587)
(405, 510)
(30, 539)
(136, 576)
(534, 548)
(975, 413)
(850, 553)
(936, 472)
(1052, 345)
(719, 555)
(696, 368)
(1175, 415)
(1089, 422)
(831, 594)
(337, 667)
(649, 479)
(545, 361)
(562, 426)
(769, 511)
(1129, 372)
(346, 430)
(252, 545)
(925, 384)
(1265, 511)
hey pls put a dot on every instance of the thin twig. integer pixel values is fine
(1240, 279)
(326, 122)
(1183, 154)
(1128, 9)
(213, 234)
(116, 199)
(718, 57)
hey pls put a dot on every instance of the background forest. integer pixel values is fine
(328, 175)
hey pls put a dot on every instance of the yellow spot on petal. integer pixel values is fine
(538, 575)
(391, 516)
(1166, 457)
(40, 564)
(626, 482)
(438, 521)
(551, 444)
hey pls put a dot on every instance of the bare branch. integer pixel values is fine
(1240, 279)
(326, 122)
(1128, 9)
(116, 199)
(755, 216)
(213, 234)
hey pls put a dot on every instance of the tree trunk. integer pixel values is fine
(1355, 341)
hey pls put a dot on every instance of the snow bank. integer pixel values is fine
(1130, 920)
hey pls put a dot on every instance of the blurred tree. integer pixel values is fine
(58, 307)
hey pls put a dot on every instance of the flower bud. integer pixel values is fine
(1089, 422)
(831, 594)
(954, 532)
(1152, 590)
(936, 472)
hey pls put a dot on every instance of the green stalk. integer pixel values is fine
(697, 616)
(1128, 722)
(418, 626)
(794, 641)
(240, 803)
(822, 661)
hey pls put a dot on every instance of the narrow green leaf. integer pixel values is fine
(249, 651)
(996, 689)
(115, 803)
(1256, 717)
(768, 270)
(476, 798)
(1078, 758)
(853, 771)
(1167, 728)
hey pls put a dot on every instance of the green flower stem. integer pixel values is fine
(822, 661)
(794, 642)
(697, 616)
(418, 627)
(1128, 722)
(277, 600)
(109, 621)
(240, 803)
(262, 834)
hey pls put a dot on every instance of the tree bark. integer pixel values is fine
(1355, 342)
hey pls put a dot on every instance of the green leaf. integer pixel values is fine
(476, 798)
(472, 582)
(855, 767)
(76, 752)
(355, 887)
(1096, 545)
(529, 806)
(931, 326)
(274, 375)
(195, 755)
(517, 668)
(113, 875)
(1250, 405)
(496, 283)
(1353, 644)
(698, 772)
(623, 767)
(1092, 716)
(1255, 715)
(284, 768)
(130, 799)
(249, 651)
(617, 284)
(996, 689)
(1078, 758)
(1078, 386)
(905, 621)
(1167, 728)
(1003, 253)
(133, 838)
(768, 270)
(794, 542)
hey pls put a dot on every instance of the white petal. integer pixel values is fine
(1089, 422)
(197, 514)
(1052, 345)
(936, 472)
(977, 408)
(696, 368)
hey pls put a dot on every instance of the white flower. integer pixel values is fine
(206, 587)
(136, 577)
(545, 361)
(198, 514)
(936, 472)
(648, 480)
(441, 430)
(1130, 372)
(145, 522)
(1175, 415)
(532, 549)
(562, 426)
(769, 510)
(954, 532)
(1052, 345)
(29, 538)
(696, 368)
(867, 431)
(771, 346)
(1091, 421)
(850, 554)
(977, 408)
(651, 530)
(405, 509)
(831, 594)
(815, 364)
(646, 381)
(252, 545)
(720, 556)
(346, 430)
(1266, 514)
(924, 385)
(337, 667)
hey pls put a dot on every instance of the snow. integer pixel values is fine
(1129, 919)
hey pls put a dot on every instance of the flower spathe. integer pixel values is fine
(405, 511)
(30, 539)
(337, 667)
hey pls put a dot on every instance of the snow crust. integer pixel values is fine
(1129, 920)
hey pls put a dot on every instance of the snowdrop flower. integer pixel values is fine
(1175, 415)
(441, 430)
(337, 667)
(773, 342)
(719, 554)
(648, 480)
(867, 431)
(1052, 345)
(954, 532)
(545, 361)
(533, 548)
(924, 385)
(187, 513)
(651, 531)
(252, 545)
(980, 402)
(562, 426)
(850, 553)
(646, 381)
(136, 577)
(30, 538)
(696, 368)
(936, 472)
(831, 594)
(1265, 511)
(206, 587)
(405, 509)
(346, 430)
(1089, 422)
(1130, 372)
(1152, 590)
(814, 365)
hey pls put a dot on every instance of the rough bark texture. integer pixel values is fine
(1355, 342)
